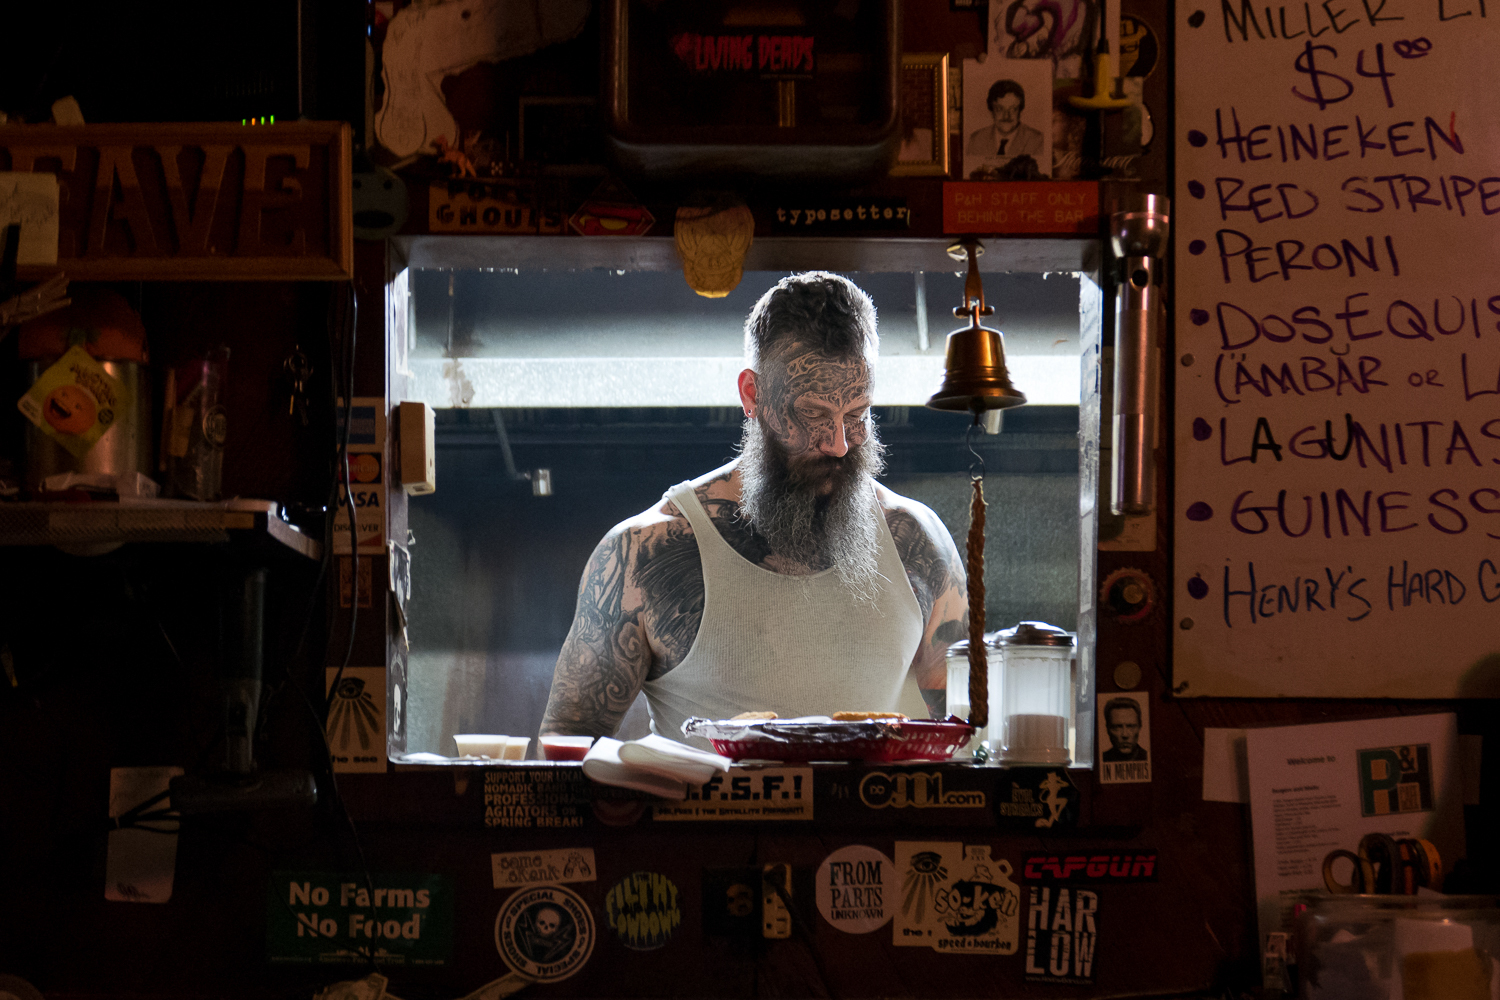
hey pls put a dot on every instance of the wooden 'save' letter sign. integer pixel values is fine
(198, 201)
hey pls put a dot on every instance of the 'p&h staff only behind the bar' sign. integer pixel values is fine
(198, 201)
(1337, 352)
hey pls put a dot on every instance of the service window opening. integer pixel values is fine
(568, 401)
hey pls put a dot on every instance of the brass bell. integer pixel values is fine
(974, 376)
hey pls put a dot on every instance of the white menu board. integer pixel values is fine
(1337, 313)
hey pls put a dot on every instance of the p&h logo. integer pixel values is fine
(914, 790)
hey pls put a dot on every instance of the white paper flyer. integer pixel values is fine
(1316, 791)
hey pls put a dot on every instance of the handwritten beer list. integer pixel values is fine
(1337, 364)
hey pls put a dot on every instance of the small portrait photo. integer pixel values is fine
(1007, 119)
(1124, 737)
(924, 114)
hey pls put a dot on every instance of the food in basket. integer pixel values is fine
(752, 716)
(888, 738)
(868, 717)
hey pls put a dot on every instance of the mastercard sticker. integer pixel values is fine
(75, 401)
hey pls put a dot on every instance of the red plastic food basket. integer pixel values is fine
(881, 742)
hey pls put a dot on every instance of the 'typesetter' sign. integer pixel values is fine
(196, 201)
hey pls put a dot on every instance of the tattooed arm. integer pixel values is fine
(937, 578)
(606, 656)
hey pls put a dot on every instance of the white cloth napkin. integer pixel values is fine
(602, 764)
(670, 759)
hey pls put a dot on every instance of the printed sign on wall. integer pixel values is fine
(367, 481)
(1124, 737)
(1091, 866)
(643, 909)
(545, 933)
(1060, 935)
(856, 889)
(956, 899)
(535, 798)
(315, 917)
(567, 864)
(764, 793)
(356, 718)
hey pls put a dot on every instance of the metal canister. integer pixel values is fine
(105, 325)
(124, 448)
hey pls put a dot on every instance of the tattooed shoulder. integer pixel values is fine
(724, 511)
(925, 547)
(668, 572)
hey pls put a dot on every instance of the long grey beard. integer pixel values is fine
(838, 529)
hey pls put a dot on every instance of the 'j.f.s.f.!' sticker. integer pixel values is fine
(643, 909)
(856, 889)
(546, 933)
(956, 899)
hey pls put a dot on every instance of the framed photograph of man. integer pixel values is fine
(1124, 737)
(924, 115)
(1007, 119)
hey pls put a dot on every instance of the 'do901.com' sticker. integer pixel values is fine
(546, 933)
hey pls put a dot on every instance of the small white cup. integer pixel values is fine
(481, 745)
(516, 747)
(566, 747)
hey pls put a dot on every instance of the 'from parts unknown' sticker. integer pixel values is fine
(545, 933)
(643, 909)
(856, 889)
(956, 899)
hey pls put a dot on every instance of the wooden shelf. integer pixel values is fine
(93, 528)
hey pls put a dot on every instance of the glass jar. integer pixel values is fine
(1420, 947)
(958, 687)
(1035, 695)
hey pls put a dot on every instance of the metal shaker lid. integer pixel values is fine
(991, 641)
(1035, 634)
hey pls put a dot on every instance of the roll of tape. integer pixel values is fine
(1360, 880)
(1384, 856)
(1430, 863)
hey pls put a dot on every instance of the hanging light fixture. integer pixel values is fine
(975, 380)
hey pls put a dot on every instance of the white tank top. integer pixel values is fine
(793, 645)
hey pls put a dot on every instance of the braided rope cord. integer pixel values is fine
(979, 674)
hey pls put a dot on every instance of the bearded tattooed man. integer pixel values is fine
(787, 581)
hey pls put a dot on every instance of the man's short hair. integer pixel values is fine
(1130, 703)
(824, 311)
(1000, 88)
